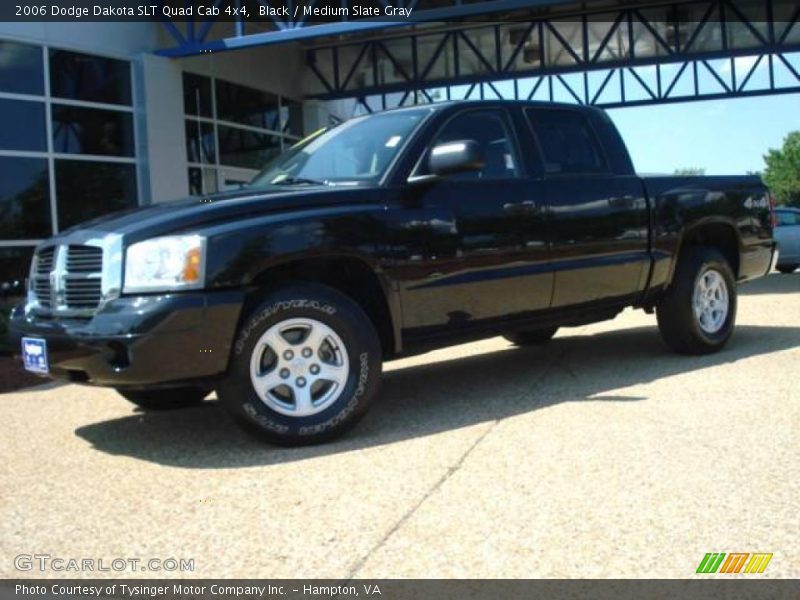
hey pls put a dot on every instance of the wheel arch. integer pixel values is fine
(713, 232)
(356, 277)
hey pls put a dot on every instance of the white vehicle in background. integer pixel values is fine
(787, 234)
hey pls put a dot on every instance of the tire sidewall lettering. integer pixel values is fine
(363, 377)
(281, 305)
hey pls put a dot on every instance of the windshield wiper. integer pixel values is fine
(301, 181)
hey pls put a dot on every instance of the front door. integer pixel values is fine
(500, 269)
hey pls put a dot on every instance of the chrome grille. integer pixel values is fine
(84, 259)
(83, 293)
(68, 279)
(46, 258)
(41, 288)
(40, 282)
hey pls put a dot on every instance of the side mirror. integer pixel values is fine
(456, 157)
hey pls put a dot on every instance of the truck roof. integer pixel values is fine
(437, 106)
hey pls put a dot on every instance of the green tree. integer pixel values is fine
(690, 171)
(782, 174)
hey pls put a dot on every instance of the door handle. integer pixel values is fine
(623, 202)
(517, 208)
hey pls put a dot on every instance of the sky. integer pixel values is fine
(724, 137)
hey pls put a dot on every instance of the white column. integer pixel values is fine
(161, 130)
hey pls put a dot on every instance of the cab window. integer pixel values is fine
(489, 128)
(568, 143)
(786, 218)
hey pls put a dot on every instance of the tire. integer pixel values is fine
(787, 269)
(297, 405)
(531, 337)
(166, 399)
(703, 278)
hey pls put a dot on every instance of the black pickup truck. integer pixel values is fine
(384, 236)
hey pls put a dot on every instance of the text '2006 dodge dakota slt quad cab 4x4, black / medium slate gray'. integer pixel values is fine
(388, 235)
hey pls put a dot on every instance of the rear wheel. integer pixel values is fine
(305, 366)
(698, 312)
(166, 399)
(787, 269)
(530, 337)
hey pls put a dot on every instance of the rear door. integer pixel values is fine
(598, 219)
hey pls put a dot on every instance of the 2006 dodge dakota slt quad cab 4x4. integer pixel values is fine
(388, 235)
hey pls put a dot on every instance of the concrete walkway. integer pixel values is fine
(598, 455)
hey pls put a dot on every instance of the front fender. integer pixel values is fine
(239, 253)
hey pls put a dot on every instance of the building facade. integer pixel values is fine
(91, 122)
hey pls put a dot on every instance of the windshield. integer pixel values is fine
(359, 150)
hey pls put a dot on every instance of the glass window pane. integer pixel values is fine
(22, 125)
(24, 199)
(90, 78)
(88, 189)
(202, 181)
(210, 181)
(567, 141)
(196, 95)
(21, 68)
(15, 264)
(200, 147)
(233, 181)
(489, 129)
(195, 181)
(247, 149)
(247, 106)
(92, 131)
(291, 117)
(357, 150)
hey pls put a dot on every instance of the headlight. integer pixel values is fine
(166, 263)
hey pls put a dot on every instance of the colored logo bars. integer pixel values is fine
(716, 562)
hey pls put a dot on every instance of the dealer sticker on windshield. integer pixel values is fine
(34, 355)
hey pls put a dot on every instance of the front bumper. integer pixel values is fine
(139, 341)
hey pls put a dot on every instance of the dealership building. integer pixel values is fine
(92, 121)
(101, 116)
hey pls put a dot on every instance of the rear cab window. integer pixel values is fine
(568, 143)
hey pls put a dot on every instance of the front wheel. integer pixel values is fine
(698, 312)
(166, 399)
(787, 269)
(305, 365)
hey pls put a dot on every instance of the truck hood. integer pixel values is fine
(200, 211)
